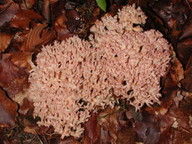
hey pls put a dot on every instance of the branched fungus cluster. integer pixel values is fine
(73, 78)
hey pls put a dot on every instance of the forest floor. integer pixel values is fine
(26, 25)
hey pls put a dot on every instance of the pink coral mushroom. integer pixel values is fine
(76, 77)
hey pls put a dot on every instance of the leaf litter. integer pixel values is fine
(26, 25)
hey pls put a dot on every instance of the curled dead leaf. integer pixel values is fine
(40, 35)
(8, 111)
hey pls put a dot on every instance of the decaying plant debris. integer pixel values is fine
(26, 25)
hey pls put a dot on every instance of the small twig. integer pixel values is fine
(38, 137)
(104, 116)
(6, 8)
(188, 4)
(24, 2)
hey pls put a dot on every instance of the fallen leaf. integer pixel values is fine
(92, 133)
(178, 98)
(186, 82)
(180, 137)
(126, 136)
(27, 4)
(5, 40)
(25, 106)
(73, 20)
(25, 19)
(4, 4)
(175, 74)
(29, 130)
(173, 15)
(69, 140)
(181, 116)
(7, 12)
(22, 59)
(8, 110)
(13, 78)
(187, 30)
(141, 3)
(115, 126)
(187, 94)
(109, 125)
(170, 11)
(61, 27)
(147, 129)
(40, 35)
(184, 51)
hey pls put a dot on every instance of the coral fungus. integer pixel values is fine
(76, 77)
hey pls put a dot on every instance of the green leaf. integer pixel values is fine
(102, 4)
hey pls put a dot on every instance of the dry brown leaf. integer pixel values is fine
(73, 20)
(184, 51)
(188, 94)
(22, 59)
(4, 4)
(24, 19)
(171, 84)
(126, 136)
(40, 35)
(69, 140)
(92, 132)
(25, 106)
(29, 130)
(59, 19)
(29, 3)
(177, 71)
(178, 98)
(61, 28)
(8, 111)
(110, 126)
(5, 40)
(7, 12)
(187, 81)
(141, 3)
(148, 130)
(13, 78)
(187, 30)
